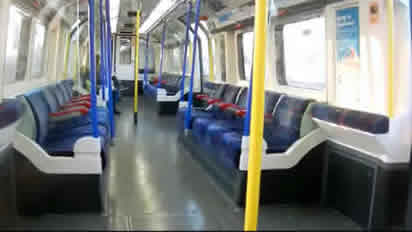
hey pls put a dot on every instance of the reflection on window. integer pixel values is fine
(125, 51)
(17, 45)
(38, 50)
(305, 53)
(245, 42)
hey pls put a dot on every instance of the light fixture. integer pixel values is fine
(114, 14)
(159, 11)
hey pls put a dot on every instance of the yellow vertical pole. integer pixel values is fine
(66, 57)
(136, 77)
(257, 117)
(211, 61)
(390, 93)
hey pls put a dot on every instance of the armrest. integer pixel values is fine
(77, 104)
(213, 101)
(223, 106)
(201, 96)
(85, 98)
(241, 113)
(80, 110)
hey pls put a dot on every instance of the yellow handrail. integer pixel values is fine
(66, 57)
(256, 136)
(136, 77)
(211, 61)
(390, 58)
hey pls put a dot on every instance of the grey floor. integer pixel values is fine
(153, 184)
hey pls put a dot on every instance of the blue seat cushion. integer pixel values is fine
(181, 114)
(216, 129)
(58, 133)
(65, 146)
(230, 149)
(200, 127)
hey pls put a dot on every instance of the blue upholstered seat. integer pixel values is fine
(61, 136)
(363, 121)
(284, 129)
(230, 149)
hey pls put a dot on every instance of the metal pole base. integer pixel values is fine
(135, 118)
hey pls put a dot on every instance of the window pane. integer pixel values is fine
(125, 51)
(17, 45)
(305, 53)
(205, 47)
(246, 56)
(38, 50)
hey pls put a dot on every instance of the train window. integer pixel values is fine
(17, 45)
(245, 45)
(304, 54)
(38, 50)
(125, 51)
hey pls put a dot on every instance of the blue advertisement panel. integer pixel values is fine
(347, 56)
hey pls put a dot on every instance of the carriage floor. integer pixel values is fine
(153, 184)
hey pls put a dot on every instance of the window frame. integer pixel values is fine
(241, 55)
(280, 51)
(220, 65)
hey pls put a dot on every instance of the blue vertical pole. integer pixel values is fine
(102, 53)
(182, 84)
(146, 63)
(92, 73)
(162, 54)
(188, 116)
(246, 127)
(109, 69)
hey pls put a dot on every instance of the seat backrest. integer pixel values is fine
(69, 87)
(287, 120)
(220, 91)
(59, 95)
(363, 121)
(63, 92)
(271, 99)
(27, 125)
(50, 98)
(41, 112)
(230, 94)
(242, 98)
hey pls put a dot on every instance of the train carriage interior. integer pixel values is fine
(206, 115)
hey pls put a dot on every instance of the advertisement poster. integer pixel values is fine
(348, 57)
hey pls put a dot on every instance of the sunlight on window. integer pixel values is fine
(305, 53)
(247, 55)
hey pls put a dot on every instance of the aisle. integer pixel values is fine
(153, 184)
(156, 185)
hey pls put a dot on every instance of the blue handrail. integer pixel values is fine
(102, 53)
(188, 115)
(188, 17)
(159, 83)
(92, 73)
(109, 69)
(246, 128)
(146, 64)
